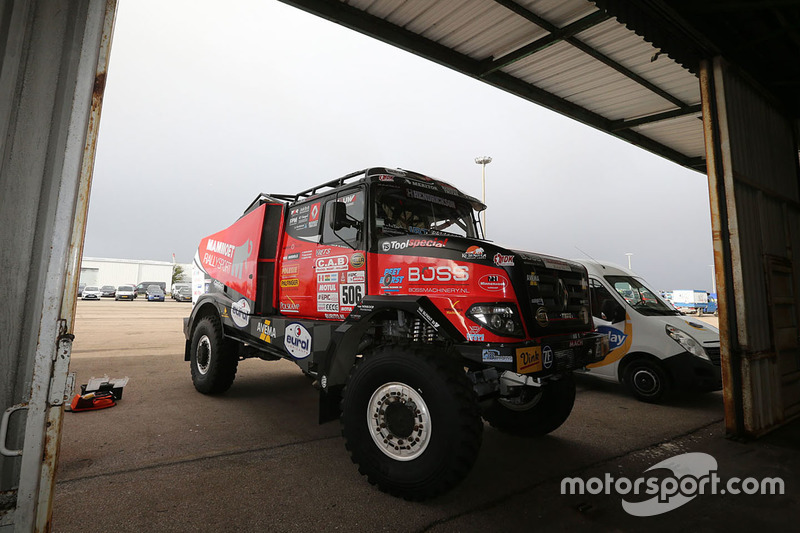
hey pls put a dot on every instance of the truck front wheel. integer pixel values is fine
(212, 358)
(410, 420)
(536, 411)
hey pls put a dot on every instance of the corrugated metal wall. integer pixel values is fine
(758, 149)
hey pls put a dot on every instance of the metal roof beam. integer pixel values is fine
(361, 21)
(556, 36)
(625, 124)
(585, 48)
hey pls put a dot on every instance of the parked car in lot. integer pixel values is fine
(176, 287)
(91, 293)
(108, 291)
(142, 287)
(183, 294)
(154, 293)
(125, 292)
(80, 289)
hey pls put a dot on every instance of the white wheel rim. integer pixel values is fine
(399, 421)
(203, 354)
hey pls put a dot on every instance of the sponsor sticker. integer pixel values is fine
(313, 215)
(265, 330)
(493, 282)
(290, 307)
(556, 264)
(240, 313)
(474, 252)
(331, 264)
(493, 356)
(351, 294)
(327, 297)
(616, 338)
(475, 334)
(327, 307)
(297, 341)
(356, 277)
(547, 356)
(442, 273)
(529, 359)
(291, 257)
(327, 278)
(392, 280)
(357, 260)
(504, 260)
(290, 283)
(289, 270)
(327, 287)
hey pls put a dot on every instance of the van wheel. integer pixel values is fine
(647, 380)
(410, 421)
(212, 358)
(536, 411)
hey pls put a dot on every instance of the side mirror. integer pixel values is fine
(613, 311)
(339, 218)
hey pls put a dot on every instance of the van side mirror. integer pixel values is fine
(613, 311)
(339, 219)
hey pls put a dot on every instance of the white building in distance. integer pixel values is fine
(101, 271)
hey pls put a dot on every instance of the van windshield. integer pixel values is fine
(639, 297)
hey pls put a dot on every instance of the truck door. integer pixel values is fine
(296, 278)
(340, 258)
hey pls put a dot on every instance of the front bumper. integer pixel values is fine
(541, 357)
(692, 373)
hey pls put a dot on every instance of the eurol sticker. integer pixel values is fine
(297, 341)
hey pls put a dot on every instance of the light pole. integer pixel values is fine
(483, 161)
(629, 260)
(713, 279)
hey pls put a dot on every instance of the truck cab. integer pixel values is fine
(380, 286)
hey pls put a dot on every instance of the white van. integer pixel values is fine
(654, 349)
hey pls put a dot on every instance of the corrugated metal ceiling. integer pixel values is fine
(563, 54)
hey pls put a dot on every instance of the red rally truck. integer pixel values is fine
(380, 286)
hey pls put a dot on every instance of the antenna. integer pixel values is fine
(590, 257)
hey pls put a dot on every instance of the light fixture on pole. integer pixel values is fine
(483, 161)
(713, 279)
(629, 260)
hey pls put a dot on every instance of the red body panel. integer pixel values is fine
(230, 255)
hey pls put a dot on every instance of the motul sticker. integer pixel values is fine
(240, 313)
(331, 264)
(327, 287)
(529, 359)
(297, 341)
(493, 282)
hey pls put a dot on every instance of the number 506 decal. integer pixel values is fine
(351, 294)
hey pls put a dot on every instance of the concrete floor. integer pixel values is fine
(167, 458)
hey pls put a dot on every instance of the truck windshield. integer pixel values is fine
(403, 210)
(640, 297)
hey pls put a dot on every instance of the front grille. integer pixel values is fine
(714, 355)
(563, 294)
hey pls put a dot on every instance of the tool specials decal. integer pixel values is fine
(230, 255)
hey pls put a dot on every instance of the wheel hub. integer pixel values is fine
(645, 381)
(203, 354)
(399, 421)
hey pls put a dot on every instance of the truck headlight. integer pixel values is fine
(500, 319)
(686, 341)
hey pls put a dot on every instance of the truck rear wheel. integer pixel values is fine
(536, 411)
(411, 421)
(212, 358)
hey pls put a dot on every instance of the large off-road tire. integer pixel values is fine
(647, 380)
(537, 411)
(212, 358)
(411, 421)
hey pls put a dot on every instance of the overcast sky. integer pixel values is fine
(207, 104)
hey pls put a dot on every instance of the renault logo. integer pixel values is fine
(541, 317)
(562, 295)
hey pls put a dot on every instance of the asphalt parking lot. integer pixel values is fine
(167, 458)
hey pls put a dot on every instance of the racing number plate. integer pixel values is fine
(529, 359)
